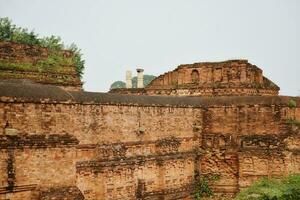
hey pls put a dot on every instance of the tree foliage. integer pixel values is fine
(121, 84)
(147, 80)
(287, 188)
(118, 84)
(10, 32)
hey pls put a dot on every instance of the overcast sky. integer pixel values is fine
(158, 35)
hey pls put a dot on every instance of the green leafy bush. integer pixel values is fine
(287, 188)
(203, 188)
(292, 104)
(10, 32)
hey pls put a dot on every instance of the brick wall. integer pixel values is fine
(139, 148)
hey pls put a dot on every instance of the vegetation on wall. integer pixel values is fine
(10, 32)
(203, 186)
(294, 122)
(53, 62)
(292, 119)
(287, 188)
(121, 84)
(292, 104)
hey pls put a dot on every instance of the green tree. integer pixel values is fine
(6, 29)
(147, 80)
(118, 84)
(121, 84)
(79, 62)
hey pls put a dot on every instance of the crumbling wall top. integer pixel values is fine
(225, 78)
(26, 91)
(39, 64)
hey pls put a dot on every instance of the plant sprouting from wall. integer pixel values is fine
(203, 186)
(292, 104)
(10, 32)
(293, 122)
(79, 62)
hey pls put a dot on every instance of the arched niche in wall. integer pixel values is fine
(195, 76)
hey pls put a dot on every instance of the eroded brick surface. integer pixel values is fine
(20, 61)
(139, 151)
(227, 78)
(78, 145)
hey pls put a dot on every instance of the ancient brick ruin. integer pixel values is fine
(19, 61)
(227, 78)
(58, 144)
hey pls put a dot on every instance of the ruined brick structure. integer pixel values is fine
(228, 78)
(57, 144)
(19, 61)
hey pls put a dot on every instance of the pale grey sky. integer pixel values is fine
(158, 35)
